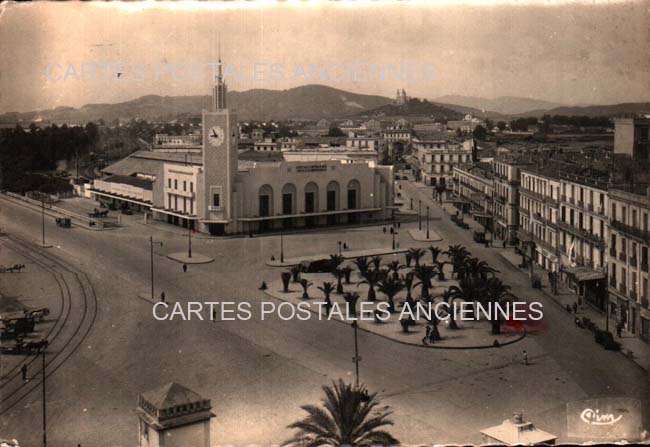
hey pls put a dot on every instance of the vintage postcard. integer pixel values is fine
(313, 224)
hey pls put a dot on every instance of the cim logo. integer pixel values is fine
(595, 417)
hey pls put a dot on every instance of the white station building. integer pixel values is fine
(212, 191)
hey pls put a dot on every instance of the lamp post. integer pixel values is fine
(44, 407)
(394, 234)
(281, 245)
(357, 358)
(189, 239)
(151, 244)
(340, 252)
(427, 222)
(43, 218)
(420, 215)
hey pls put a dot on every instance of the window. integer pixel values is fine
(216, 200)
(175, 184)
(169, 183)
(191, 186)
(184, 185)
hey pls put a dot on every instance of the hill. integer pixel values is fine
(414, 107)
(307, 102)
(505, 105)
(613, 110)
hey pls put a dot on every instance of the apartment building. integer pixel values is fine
(506, 195)
(473, 184)
(627, 258)
(435, 159)
(539, 196)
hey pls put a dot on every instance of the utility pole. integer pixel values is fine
(427, 222)
(281, 245)
(151, 244)
(43, 218)
(189, 239)
(44, 408)
(357, 358)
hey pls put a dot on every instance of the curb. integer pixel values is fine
(286, 264)
(406, 343)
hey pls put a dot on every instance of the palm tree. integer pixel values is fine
(336, 260)
(347, 271)
(286, 277)
(376, 261)
(351, 299)
(362, 264)
(440, 269)
(408, 281)
(338, 274)
(408, 259)
(295, 272)
(416, 255)
(425, 273)
(467, 290)
(496, 292)
(475, 269)
(305, 286)
(327, 288)
(390, 287)
(435, 252)
(371, 278)
(349, 416)
(448, 297)
(394, 267)
(457, 255)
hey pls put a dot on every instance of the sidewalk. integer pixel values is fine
(632, 346)
(349, 254)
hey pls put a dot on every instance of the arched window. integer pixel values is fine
(311, 197)
(333, 192)
(354, 194)
(265, 199)
(289, 199)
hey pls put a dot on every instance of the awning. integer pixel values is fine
(175, 213)
(585, 273)
(483, 215)
(120, 197)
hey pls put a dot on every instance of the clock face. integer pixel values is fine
(215, 136)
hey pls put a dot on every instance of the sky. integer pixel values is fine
(54, 54)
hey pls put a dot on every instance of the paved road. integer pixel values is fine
(257, 373)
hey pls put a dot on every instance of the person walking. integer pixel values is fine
(525, 355)
(504, 242)
(184, 268)
(162, 297)
(425, 339)
(575, 307)
(23, 371)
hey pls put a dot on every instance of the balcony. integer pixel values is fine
(601, 210)
(630, 230)
(581, 204)
(622, 256)
(632, 295)
(563, 198)
(644, 266)
(583, 234)
(633, 262)
(644, 302)
(622, 288)
(612, 252)
(612, 282)
(590, 207)
(572, 201)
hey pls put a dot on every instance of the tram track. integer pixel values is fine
(68, 333)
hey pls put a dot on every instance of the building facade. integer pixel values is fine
(434, 160)
(632, 138)
(506, 196)
(627, 258)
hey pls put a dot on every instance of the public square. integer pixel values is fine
(257, 373)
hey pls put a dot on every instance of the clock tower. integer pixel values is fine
(220, 134)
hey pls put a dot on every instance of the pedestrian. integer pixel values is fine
(384, 230)
(184, 268)
(619, 330)
(487, 243)
(525, 354)
(345, 246)
(399, 224)
(575, 307)
(162, 297)
(263, 286)
(504, 242)
(425, 339)
(23, 371)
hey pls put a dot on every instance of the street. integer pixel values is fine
(257, 373)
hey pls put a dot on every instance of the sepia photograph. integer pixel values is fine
(322, 224)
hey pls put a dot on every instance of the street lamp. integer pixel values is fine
(340, 248)
(43, 383)
(420, 215)
(281, 245)
(151, 244)
(357, 358)
(394, 234)
(43, 218)
(189, 239)
(427, 222)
